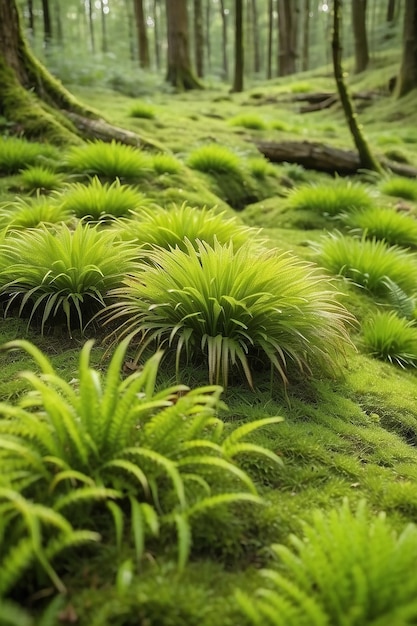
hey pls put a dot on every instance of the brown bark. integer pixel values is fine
(390, 10)
(407, 77)
(360, 35)
(306, 37)
(288, 11)
(224, 40)
(239, 57)
(142, 37)
(199, 38)
(179, 74)
(253, 14)
(104, 44)
(270, 38)
(47, 25)
(324, 158)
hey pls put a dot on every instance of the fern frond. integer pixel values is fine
(85, 494)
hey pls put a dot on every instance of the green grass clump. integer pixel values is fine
(391, 338)
(125, 449)
(259, 167)
(31, 212)
(386, 224)
(98, 201)
(280, 125)
(228, 308)
(248, 120)
(214, 158)
(17, 154)
(166, 164)
(109, 160)
(50, 271)
(369, 262)
(400, 187)
(142, 110)
(40, 178)
(183, 225)
(349, 569)
(333, 198)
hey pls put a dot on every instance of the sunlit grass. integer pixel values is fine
(252, 121)
(399, 187)
(333, 198)
(391, 338)
(215, 158)
(17, 154)
(41, 178)
(142, 110)
(386, 224)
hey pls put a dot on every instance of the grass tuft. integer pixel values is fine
(391, 338)
(400, 187)
(386, 224)
(110, 160)
(40, 178)
(248, 120)
(166, 164)
(340, 196)
(142, 110)
(214, 158)
(17, 154)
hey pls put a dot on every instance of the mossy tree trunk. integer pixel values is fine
(34, 103)
(367, 160)
(407, 77)
(179, 74)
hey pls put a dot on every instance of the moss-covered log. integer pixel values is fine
(32, 101)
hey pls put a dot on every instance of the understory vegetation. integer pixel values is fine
(208, 395)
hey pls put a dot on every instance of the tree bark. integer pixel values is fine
(270, 38)
(157, 43)
(324, 158)
(306, 37)
(47, 25)
(390, 10)
(104, 44)
(31, 18)
(208, 33)
(360, 35)
(365, 156)
(142, 37)
(239, 57)
(256, 37)
(91, 26)
(179, 73)
(287, 36)
(199, 38)
(32, 100)
(407, 77)
(224, 40)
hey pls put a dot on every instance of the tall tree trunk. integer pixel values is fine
(142, 36)
(58, 21)
(256, 37)
(239, 57)
(179, 73)
(288, 11)
(104, 45)
(224, 40)
(208, 33)
(91, 25)
(360, 35)
(47, 25)
(31, 19)
(390, 10)
(199, 38)
(270, 39)
(34, 103)
(367, 160)
(129, 18)
(407, 77)
(306, 37)
(157, 43)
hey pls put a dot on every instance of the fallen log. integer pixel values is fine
(324, 158)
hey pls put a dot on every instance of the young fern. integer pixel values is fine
(123, 444)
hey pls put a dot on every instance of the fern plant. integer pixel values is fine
(163, 454)
(110, 160)
(369, 262)
(174, 227)
(226, 306)
(99, 201)
(349, 569)
(62, 270)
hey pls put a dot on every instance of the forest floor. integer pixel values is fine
(351, 435)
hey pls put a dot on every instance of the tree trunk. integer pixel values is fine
(47, 25)
(104, 45)
(208, 33)
(287, 36)
(256, 38)
(157, 43)
(91, 25)
(366, 158)
(306, 37)
(224, 40)
(323, 158)
(391, 11)
(31, 19)
(239, 58)
(34, 102)
(199, 38)
(270, 39)
(129, 18)
(142, 37)
(360, 35)
(58, 22)
(407, 77)
(179, 74)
